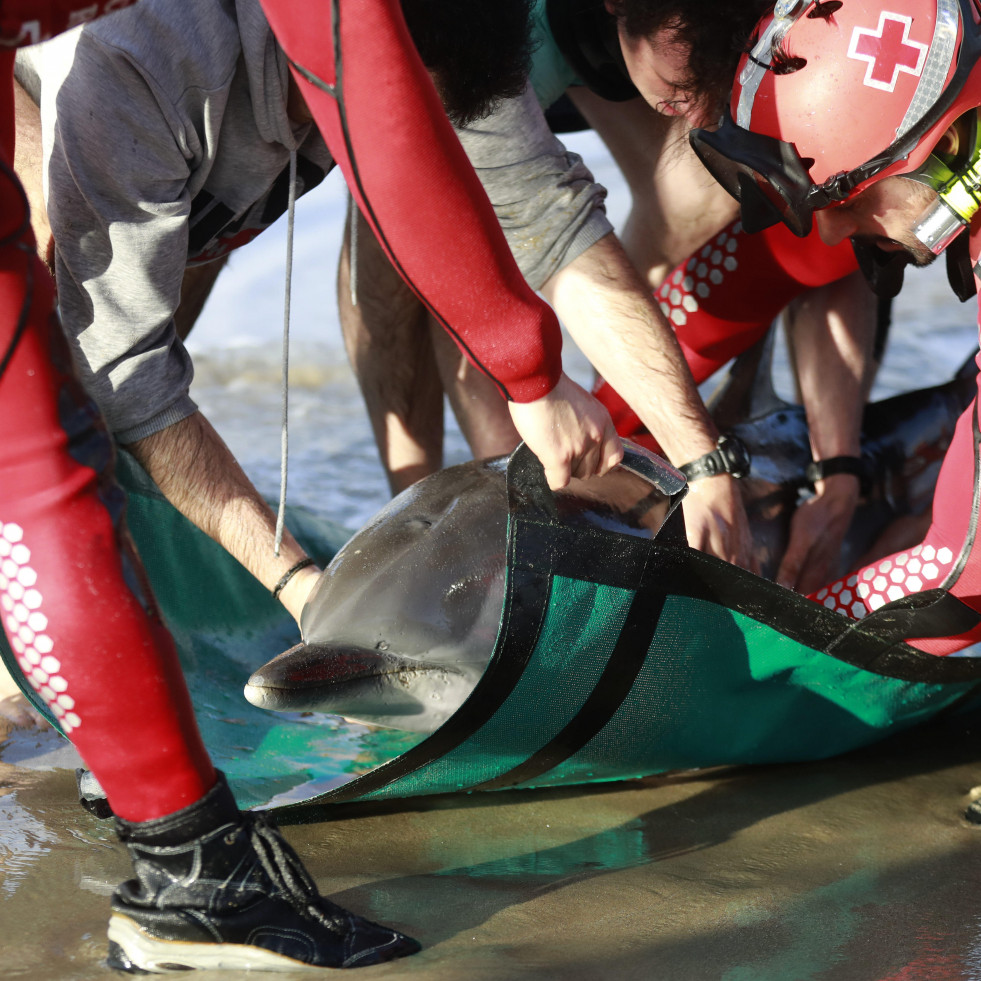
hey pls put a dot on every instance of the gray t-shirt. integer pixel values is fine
(167, 142)
(549, 206)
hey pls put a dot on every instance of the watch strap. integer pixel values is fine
(820, 469)
(730, 456)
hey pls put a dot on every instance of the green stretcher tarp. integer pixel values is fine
(618, 657)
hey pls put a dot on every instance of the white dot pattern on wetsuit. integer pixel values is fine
(707, 268)
(923, 567)
(20, 603)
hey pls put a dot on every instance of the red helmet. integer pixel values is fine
(836, 94)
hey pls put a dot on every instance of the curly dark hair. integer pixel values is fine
(480, 53)
(716, 31)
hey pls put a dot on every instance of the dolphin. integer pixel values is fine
(401, 625)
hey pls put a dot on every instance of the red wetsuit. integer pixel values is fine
(73, 603)
(723, 299)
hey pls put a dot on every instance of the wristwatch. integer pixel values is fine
(730, 456)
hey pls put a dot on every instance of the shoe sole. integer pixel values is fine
(144, 952)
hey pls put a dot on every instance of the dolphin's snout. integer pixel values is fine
(320, 665)
(358, 683)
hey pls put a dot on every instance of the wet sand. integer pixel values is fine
(860, 868)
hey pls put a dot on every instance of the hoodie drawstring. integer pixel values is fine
(284, 439)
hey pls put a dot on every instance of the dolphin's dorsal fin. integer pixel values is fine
(746, 391)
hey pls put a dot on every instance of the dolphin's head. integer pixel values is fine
(401, 626)
(403, 621)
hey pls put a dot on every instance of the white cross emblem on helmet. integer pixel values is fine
(888, 51)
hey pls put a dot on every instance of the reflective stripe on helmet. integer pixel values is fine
(786, 13)
(933, 79)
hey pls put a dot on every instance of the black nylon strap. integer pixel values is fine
(613, 687)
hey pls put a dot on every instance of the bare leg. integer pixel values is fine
(389, 347)
(480, 410)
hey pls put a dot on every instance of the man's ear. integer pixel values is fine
(950, 142)
(955, 138)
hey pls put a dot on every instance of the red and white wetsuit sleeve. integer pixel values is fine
(379, 113)
(723, 299)
(73, 603)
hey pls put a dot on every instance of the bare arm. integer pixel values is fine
(28, 163)
(831, 335)
(613, 318)
(198, 474)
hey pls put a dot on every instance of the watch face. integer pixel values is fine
(736, 455)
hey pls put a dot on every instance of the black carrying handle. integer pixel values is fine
(527, 486)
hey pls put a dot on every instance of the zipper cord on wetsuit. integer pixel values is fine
(285, 437)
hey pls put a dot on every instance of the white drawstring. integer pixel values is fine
(284, 439)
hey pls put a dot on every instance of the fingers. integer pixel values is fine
(611, 452)
(558, 476)
(570, 432)
(717, 524)
(805, 569)
(599, 453)
(790, 566)
(816, 533)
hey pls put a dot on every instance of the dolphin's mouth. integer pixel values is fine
(367, 685)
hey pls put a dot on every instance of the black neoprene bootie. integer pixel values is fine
(219, 888)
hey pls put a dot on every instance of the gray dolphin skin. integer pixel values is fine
(404, 620)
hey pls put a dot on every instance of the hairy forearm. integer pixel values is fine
(613, 318)
(197, 473)
(831, 335)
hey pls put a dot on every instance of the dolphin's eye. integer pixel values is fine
(418, 524)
